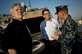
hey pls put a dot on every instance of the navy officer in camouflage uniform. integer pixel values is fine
(69, 29)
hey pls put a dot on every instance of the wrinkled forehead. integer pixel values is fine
(17, 7)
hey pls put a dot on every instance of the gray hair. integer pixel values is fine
(15, 4)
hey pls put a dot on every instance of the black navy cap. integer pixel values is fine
(60, 8)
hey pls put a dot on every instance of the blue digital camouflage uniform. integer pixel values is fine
(67, 39)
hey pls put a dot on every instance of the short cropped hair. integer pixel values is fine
(44, 11)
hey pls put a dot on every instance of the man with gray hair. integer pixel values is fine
(16, 35)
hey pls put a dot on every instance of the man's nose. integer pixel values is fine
(20, 11)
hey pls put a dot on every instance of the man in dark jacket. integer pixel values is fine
(16, 38)
(69, 30)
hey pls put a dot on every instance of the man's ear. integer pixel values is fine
(63, 13)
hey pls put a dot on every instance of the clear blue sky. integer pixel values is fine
(75, 6)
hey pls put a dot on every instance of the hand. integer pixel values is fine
(58, 33)
(55, 37)
(12, 51)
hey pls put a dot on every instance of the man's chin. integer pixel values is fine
(20, 17)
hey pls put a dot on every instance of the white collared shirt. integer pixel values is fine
(52, 26)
